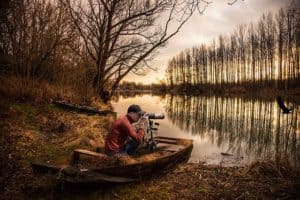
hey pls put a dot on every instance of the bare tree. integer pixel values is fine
(280, 39)
(32, 34)
(121, 36)
(253, 41)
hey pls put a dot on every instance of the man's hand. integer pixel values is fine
(142, 123)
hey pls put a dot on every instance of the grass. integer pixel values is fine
(202, 190)
(27, 114)
(21, 89)
(29, 133)
(35, 127)
(134, 191)
(131, 192)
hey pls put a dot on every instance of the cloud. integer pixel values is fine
(218, 19)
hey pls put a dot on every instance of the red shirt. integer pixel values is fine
(119, 132)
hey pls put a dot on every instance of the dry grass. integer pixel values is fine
(279, 168)
(122, 160)
(18, 88)
(40, 131)
(198, 181)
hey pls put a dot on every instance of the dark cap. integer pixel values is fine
(136, 109)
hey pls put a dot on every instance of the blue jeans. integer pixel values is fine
(130, 147)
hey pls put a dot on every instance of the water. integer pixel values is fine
(249, 129)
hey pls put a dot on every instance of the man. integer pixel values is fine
(123, 138)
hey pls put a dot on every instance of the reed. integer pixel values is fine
(22, 89)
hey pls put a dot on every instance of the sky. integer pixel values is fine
(219, 18)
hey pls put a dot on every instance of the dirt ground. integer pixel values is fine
(43, 132)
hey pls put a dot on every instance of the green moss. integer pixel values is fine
(35, 151)
(135, 191)
(202, 190)
(163, 192)
(130, 192)
(52, 152)
(54, 108)
(27, 116)
(47, 152)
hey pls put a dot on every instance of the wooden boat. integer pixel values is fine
(81, 108)
(92, 167)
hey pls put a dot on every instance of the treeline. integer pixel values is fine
(265, 54)
(127, 86)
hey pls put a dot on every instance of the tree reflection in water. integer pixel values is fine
(254, 127)
(249, 127)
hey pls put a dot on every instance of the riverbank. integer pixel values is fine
(41, 131)
(261, 180)
(33, 131)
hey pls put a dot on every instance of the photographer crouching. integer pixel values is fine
(123, 138)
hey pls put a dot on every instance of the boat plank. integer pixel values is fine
(172, 148)
(165, 141)
(77, 152)
(167, 138)
(89, 176)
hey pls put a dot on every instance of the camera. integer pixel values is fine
(151, 143)
(155, 115)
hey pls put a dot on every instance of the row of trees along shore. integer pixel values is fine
(92, 44)
(265, 54)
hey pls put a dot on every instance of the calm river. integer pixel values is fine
(225, 130)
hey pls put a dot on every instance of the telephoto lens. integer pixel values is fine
(155, 115)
